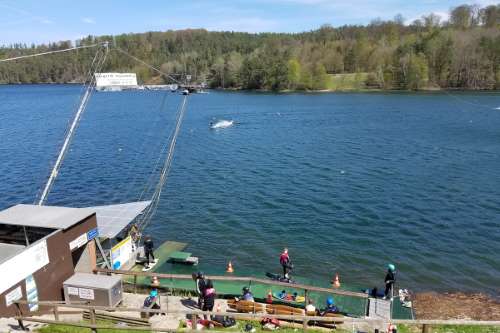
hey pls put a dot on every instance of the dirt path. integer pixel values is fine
(431, 305)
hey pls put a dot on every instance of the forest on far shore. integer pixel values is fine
(460, 53)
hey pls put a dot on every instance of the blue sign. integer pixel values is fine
(92, 234)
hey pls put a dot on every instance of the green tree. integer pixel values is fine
(294, 69)
(418, 72)
(319, 77)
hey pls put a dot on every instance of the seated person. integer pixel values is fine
(151, 302)
(311, 309)
(294, 296)
(247, 295)
(330, 307)
(283, 294)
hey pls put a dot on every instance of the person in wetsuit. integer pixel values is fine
(389, 280)
(247, 295)
(201, 285)
(285, 262)
(148, 249)
(330, 307)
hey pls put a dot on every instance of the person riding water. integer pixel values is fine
(285, 262)
(390, 279)
(330, 307)
(247, 295)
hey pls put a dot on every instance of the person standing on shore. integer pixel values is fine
(148, 250)
(285, 262)
(209, 297)
(390, 279)
(201, 285)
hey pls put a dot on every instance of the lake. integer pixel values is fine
(349, 182)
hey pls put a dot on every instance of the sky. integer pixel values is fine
(42, 21)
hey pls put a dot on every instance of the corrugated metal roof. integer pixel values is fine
(112, 219)
(51, 217)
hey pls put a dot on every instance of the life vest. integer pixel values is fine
(284, 258)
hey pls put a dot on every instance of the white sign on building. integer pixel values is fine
(115, 80)
(23, 265)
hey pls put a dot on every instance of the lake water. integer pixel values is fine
(348, 182)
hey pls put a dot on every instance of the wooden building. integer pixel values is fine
(40, 248)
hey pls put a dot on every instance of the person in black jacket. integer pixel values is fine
(201, 285)
(148, 250)
(389, 280)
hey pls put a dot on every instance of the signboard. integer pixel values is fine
(92, 234)
(24, 264)
(31, 293)
(14, 295)
(78, 242)
(72, 291)
(86, 293)
(121, 253)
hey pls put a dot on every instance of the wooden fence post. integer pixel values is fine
(93, 320)
(194, 321)
(56, 313)
(304, 324)
(426, 328)
(20, 320)
(135, 284)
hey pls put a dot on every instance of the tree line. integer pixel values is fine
(460, 53)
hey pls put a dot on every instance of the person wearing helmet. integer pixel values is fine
(390, 279)
(201, 286)
(247, 295)
(330, 307)
(151, 302)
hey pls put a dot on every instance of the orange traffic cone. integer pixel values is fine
(229, 267)
(336, 281)
(154, 281)
(269, 298)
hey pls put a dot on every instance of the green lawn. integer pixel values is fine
(73, 329)
(355, 81)
(241, 324)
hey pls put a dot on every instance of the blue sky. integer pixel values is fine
(52, 20)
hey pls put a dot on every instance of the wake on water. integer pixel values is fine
(221, 124)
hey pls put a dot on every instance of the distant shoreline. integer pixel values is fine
(294, 91)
